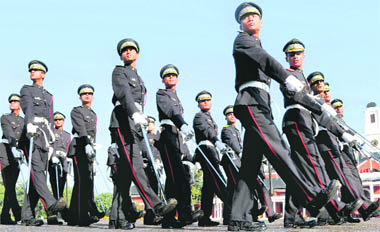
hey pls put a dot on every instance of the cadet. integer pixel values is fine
(37, 105)
(83, 209)
(173, 148)
(126, 122)
(327, 94)
(59, 164)
(206, 136)
(254, 70)
(330, 151)
(11, 153)
(337, 104)
(298, 127)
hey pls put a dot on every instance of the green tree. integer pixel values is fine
(196, 187)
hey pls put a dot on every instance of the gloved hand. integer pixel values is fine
(55, 160)
(293, 84)
(348, 138)
(327, 108)
(140, 119)
(40, 120)
(90, 152)
(31, 130)
(221, 147)
(17, 154)
(359, 141)
(187, 132)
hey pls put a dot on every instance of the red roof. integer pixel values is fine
(369, 166)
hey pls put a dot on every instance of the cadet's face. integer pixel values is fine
(251, 23)
(205, 105)
(129, 55)
(170, 80)
(36, 75)
(14, 105)
(339, 110)
(231, 118)
(318, 87)
(151, 127)
(59, 122)
(327, 96)
(295, 59)
(87, 97)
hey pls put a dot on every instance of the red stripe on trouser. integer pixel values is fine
(265, 199)
(311, 161)
(270, 147)
(76, 165)
(34, 183)
(133, 171)
(170, 164)
(315, 168)
(341, 173)
(232, 174)
(364, 205)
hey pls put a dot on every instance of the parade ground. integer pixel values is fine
(371, 225)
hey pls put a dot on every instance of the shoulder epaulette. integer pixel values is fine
(226, 126)
(120, 66)
(5, 114)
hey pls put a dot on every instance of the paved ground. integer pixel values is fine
(372, 225)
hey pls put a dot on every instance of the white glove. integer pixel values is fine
(327, 108)
(140, 119)
(187, 131)
(90, 152)
(31, 130)
(54, 160)
(293, 84)
(16, 153)
(221, 146)
(359, 140)
(348, 138)
(40, 120)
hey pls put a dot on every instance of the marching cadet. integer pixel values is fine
(126, 122)
(254, 70)
(173, 149)
(58, 164)
(83, 210)
(335, 163)
(206, 136)
(337, 104)
(231, 137)
(37, 105)
(327, 94)
(11, 153)
(298, 127)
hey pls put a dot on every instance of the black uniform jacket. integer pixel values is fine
(253, 63)
(129, 92)
(12, 126)
(37, 102)
(84, 122)
(231, 137)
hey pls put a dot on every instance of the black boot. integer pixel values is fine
(274, 217)
(164, 209)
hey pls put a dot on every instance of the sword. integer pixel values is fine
(29, 164)
(212, 166)
(56, 177)
(153, 164)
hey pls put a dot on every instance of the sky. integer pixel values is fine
(77, 41)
